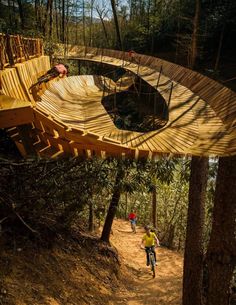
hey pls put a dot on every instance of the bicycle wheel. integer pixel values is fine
(153, 265)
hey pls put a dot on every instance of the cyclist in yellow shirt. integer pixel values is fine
(149, 240)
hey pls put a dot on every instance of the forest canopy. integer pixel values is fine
(162, 28)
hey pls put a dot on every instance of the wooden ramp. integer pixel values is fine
(69, 118)
(201, 115)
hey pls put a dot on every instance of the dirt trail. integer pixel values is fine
(165, 289)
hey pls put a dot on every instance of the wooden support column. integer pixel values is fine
(25, 136)
(9, 50)
(19, 48)
(79, 66)
(159, 76)
(171, 88)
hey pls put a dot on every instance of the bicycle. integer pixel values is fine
(152, 261)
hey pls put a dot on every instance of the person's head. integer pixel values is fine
(147, 229)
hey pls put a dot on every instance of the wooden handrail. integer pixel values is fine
(16, 48)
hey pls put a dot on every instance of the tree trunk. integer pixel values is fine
(221, 253)
(91, 214)
(48, 9)
(67, 40)
(84, 35)
(118, 36)
(103, 26)
(91, 23)
(50, 18)
(113, 205)
(126, 205)
(154, 206)
(57, 21)
(22, 19)
(219, 47)
(193, 256)
(63, 22)
(193, 55)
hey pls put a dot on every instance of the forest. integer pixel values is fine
(189, 200)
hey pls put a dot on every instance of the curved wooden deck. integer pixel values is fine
(201, 118)
(70, 118)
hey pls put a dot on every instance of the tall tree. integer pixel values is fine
(193, 256)
(221, 253)
(102, 14)
(21, 12)
(91, 22)
(154, 206)
(117, 28)
(63, 21)
(48, 12)
(193, 54)
(84, 24)
(114, 203)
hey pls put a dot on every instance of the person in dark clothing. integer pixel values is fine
(59, 70)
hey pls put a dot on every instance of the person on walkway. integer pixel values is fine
(149, 241)
(131, 57)
(60, 70)
(133, 219)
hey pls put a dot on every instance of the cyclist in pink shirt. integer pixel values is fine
(61, 69)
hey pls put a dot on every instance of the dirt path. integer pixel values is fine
(165, 289)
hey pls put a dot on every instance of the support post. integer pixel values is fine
(159, 76)
(79, 67)
(24, 132)
(171, 88)
(154, 110)
(138, 66)
(9, 50)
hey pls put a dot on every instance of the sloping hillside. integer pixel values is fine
(79, 269)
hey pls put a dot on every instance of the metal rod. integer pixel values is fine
(114, 107)
(102, 55)
(159, 76)
(123, 59)
(79, 67)
(138, 66)
(104, 86)
(171, 88)
(154, 110)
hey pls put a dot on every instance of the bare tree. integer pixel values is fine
(102, 13)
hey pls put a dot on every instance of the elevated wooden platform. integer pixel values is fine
(201, 114)
(68, 118)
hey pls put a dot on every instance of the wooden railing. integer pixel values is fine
(15, 49)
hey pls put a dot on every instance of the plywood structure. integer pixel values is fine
(67, 117)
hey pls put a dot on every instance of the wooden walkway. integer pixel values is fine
(69, 118)
(196, 126)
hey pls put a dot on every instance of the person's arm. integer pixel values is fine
(142, 243)
(157, 241)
